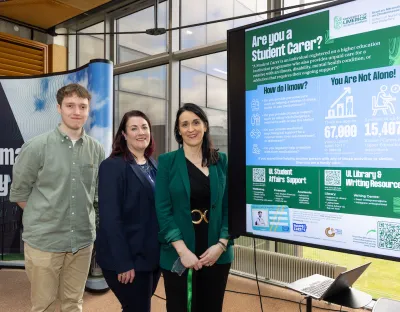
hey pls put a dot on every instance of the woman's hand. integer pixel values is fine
(188, 258)
(126, 277)
(211, 255)
(190, 261)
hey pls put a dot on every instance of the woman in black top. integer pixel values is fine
(203, 288)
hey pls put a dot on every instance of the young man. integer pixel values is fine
(55, 183)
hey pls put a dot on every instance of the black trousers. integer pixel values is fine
(136, 296)
(209, 285)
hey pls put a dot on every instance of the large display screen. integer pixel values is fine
(314, 118)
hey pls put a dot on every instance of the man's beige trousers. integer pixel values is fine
(57, 274)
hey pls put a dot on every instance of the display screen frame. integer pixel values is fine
(236, 83)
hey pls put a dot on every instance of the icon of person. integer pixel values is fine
(259, 221)
(386, 99)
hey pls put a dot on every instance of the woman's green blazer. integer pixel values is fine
(173, 206)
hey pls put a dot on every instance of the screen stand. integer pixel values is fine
(309, 304)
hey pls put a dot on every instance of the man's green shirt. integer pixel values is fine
(58, 180)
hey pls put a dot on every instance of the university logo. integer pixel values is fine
(338, 22)
(341, 22)
(331, 232)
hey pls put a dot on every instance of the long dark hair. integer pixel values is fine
(209, 153)
(120, 147)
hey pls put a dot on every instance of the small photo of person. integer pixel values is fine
(260, 217)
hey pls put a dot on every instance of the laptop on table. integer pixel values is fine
(321, 287)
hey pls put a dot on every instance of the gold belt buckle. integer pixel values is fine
(202, 216)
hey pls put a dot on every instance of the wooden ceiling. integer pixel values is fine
(46, 13)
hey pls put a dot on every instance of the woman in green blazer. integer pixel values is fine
(192, 211)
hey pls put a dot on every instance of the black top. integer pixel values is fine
(200, 198)
(150, 173)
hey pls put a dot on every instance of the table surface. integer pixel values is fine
(386, 305)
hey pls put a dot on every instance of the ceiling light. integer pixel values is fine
(220, 71)
(188, 32)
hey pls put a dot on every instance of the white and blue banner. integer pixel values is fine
(28, 107)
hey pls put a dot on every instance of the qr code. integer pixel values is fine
(396, 205)
(333, 177)
(258, 174)
(389, 235)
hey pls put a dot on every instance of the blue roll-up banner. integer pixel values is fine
(28, 107)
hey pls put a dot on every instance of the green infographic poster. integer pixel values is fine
(323, 128)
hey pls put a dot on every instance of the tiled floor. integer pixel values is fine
(15, 288)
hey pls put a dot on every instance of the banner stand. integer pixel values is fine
(2, 228)
(7, 264)
(30, 111)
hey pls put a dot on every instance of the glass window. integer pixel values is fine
(217, 93)
(9, 28)
(199, 63)
(144, 90)
(310, 6)
(193, 86)
(217, 32)
(154, 108)
(262, 6)
(194, 11)
(126, 54)
(208, 89)
(218, 10)
(218, 120)
(216, 65)
(91, 46)
(250, 4)
(198, 11)
(193, 36)
(288, 3)
(151, 82)
(129, 45)
(240, 10)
